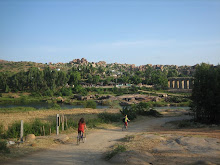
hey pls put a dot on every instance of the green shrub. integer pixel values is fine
(153, 112)
(48, 92)
(90, 104)
(130, 111)
(1, 129)
(14, 130)
(115, 151)
(54, 106)
(29, 128)
(72, 123)
(36, 94)
(3, 147)
(66, 91)
(93, 123)
(36, 128)
(109, 117)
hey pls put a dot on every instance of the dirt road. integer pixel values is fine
(96, 144)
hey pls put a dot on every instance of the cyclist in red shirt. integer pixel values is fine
(81, 127)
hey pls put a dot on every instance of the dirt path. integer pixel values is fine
(96, 144)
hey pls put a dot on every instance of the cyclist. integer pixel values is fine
(126, 120)
(81, 127)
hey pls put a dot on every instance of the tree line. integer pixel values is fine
(49, 81)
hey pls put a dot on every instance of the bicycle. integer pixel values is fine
(81, 137)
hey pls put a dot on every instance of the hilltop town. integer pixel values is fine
(112, 69)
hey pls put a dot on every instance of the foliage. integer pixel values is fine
(129, 111)
(14, 130)
(142, 108)
(16, 109)
(206, 94)
(54, 106)
(90, 104)
(34, 127)
(187, 124)
(3, 147)
(109, 117)
(176, 99)
(115, 151)
(114, 104)
(66, 91)
(159, 79)
(92, 123)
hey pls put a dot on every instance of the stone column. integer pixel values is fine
(182, 84)
(173, 83)
(168, 83)
(187, 84)
(178, 84)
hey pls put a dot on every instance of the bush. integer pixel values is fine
(109, 117)
(176, 99)
(14, 130)
(90, 104)
(92, 123)
(153, 112)
(3, 147)
(118, 149)
(36, 128)
(142, 108)
(48, 93)
(66, 91)
(1, 129)
(54, 106)
(36, 94)
(130, 111)
(29, 128)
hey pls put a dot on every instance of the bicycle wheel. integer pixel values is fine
(78, 139)
(84, 138)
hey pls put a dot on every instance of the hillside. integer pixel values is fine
(103, 67)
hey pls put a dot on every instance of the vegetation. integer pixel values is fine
(144, 109)
(3, 147)
(34, 127)
(90, 104)
(110, 117)
(49, 79)
(115, 151)
(187, 124)
(206, 94)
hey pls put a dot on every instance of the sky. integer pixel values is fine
(140, 32)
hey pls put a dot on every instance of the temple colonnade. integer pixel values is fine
(180, 82)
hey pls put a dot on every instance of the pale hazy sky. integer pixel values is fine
(181, 32)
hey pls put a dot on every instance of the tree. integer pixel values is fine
(75, 78)
(206, 94)
(159, 79)
(172, 73)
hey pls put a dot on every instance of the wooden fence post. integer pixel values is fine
(63, 122)
(43, 130)
(66, 123)
(22, 130)
(58, 123)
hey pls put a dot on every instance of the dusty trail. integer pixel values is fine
(96, 144)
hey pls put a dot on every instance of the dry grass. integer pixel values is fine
(27, 148)
(49, 115)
